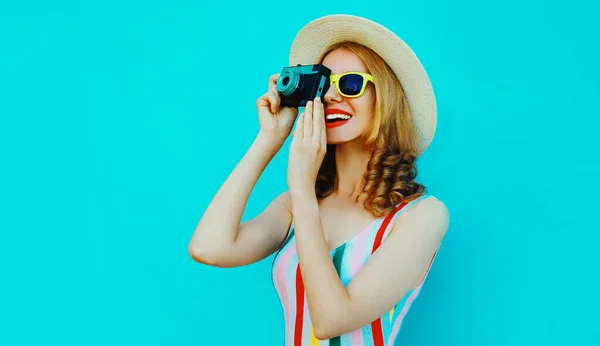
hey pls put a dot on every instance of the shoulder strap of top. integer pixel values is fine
(386, 226)
(383, 230)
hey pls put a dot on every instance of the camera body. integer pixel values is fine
(302, 83)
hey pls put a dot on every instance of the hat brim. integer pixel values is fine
(314, 38)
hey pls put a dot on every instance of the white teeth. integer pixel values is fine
(338, 116)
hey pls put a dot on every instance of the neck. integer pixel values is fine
(351, 161)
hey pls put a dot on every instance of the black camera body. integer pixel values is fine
(302, 83)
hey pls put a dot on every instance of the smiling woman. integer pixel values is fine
(355, 235)
(351, 96)
(385, 127)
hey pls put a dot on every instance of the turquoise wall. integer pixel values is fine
(120, 120)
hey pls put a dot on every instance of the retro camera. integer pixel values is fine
(302, 83)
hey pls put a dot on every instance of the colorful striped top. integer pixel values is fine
(348, 258)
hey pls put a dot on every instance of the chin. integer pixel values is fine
(339, 138)
(333, 141)
(345, 132)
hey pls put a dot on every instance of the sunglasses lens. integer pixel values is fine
(351, 84)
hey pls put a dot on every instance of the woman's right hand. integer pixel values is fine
(275, 122)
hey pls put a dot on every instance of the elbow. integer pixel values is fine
(201, 255)
(322, 335)
(201, 249)
(324, 332)
(194, 253)
(332, 326)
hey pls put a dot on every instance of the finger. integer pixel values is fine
(308, 125)
(323, 136)
(273, 79)
(298, 133)
(323, 130)
(263, 100)
(317, 120)
(274, 99)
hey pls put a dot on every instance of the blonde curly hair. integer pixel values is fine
(391, 170)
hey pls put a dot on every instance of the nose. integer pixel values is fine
(332, 95)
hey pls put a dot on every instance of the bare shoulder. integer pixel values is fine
(428, 214)
(429, 207)
(285, 199)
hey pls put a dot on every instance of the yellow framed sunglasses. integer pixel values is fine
(350, 84)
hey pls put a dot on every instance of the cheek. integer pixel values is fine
(365, 108)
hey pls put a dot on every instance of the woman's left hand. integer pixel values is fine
(308, 148)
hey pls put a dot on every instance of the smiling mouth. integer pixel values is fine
(334, 118)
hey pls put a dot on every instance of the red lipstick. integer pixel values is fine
(336, 123)
(335, 111)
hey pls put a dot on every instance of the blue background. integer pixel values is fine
(119, 122)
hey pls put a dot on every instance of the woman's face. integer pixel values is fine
(361, 109)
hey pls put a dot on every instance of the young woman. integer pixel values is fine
(355, 235)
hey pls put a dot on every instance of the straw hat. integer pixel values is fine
(313, 39)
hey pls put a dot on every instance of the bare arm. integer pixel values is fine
(219, 239)
(414, 238)
(398, 264)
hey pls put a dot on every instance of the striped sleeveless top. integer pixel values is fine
(348, 259)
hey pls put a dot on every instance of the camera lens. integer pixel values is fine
(288, 82)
